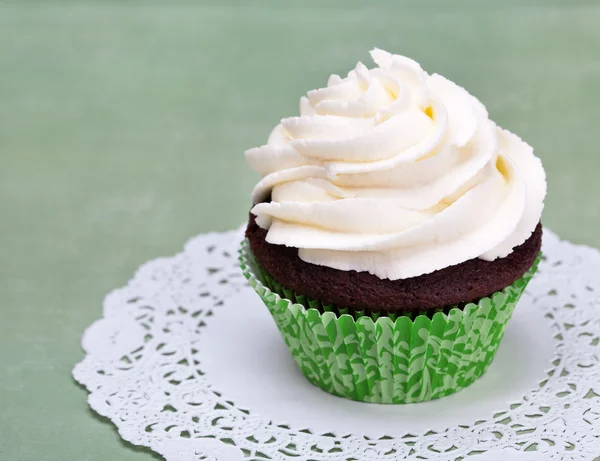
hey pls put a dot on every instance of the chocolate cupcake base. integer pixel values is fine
(386, 359)
(463, 283)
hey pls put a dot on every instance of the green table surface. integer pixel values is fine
(122, 131)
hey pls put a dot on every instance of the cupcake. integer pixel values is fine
(393, 231)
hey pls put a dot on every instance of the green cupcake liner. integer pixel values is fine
(381, 359)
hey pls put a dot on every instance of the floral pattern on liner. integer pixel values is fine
(143, 371)
(383, 360)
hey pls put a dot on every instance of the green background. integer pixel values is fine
(123, 126)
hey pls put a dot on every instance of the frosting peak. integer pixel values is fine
(395, 172)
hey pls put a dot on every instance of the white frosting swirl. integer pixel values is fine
(395, 172)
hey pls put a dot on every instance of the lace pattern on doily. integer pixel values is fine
(143, 371)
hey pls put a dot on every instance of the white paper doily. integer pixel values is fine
(187, 362)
